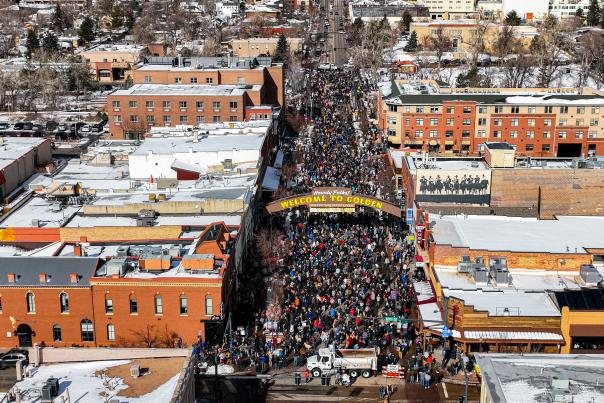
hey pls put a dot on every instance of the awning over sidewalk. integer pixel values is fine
(504, 335)
(432, 318)
(587, 330)
(271, 179)
(278, 160)
(423, 292)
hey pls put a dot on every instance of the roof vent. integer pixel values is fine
(590, 274)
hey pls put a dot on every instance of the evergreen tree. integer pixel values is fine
(412, 44)
(50, 43)
(32, 42)
(117, 18)
(356, 31)
(512, 18)
(58, 19)
(86, 31)
(579, 13)
(281, 53)
(593, 13)
(407, 20)
(472, 78)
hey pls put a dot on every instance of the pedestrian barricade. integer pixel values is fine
(393, 371)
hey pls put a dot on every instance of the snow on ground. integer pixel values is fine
(85, 387)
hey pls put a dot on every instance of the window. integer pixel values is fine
(562, 122)
(514, 122)
(579, 122)
(182, 104)
(391, 121)
(407, 122)
(466, 122)
(546, 135)
(133, 305)
(183, 119)
(166, 104)
(419, 133)
(595, 109)
(233, 105)
(547, 122)
(482, 109)
(433, 122)
(548, 109)
(449, 133)
(134, 118)
(531, 122)
(87, 331)
(561, 135)
(31, 302)
(482, 121)
(150, 119)
(564, 109)
(497, 122)
(150, 104)
(514, 134)
(148, 79)
(450, 109)
(216, 105)
(467, 109)
(529, 147)
(199, 105)
(56, 333)
(240, 80)
(530, 134)
(216, 119)
(593, 122)
(481, 133)
(232, 118)
(433, 133)
(579, 135)
(450, 122)
(64, 302)
(201, 119)
(116, 104)
(419, 122)
(184, 305)
(209, 305)
(177, 80)
(110, 332)
(580, 109)
(545, 147)
(434, 109)
(167, 119)
(465, 133)
(209, 80)
(499, 109)
(515, 109)
(419, 109)
(593, 134)
(497, 134)
(117, 119)
(193, 80)
(407, 109)
(392, 108)
(132, 104)
(532, 109)
(108, 305)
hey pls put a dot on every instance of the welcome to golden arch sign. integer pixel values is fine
(333, 198)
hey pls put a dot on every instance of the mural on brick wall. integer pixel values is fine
(449, 186)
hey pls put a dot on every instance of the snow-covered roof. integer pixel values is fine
(271, 179)
(565, 234)
(180, 90)
(209, 144)
(507, 302)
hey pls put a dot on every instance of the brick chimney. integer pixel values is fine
(77, 249)
(11, 277)
(73, 277)
(42, 278)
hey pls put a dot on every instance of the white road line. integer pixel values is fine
(445, 390)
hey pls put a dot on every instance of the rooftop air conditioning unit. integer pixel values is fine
(500, 275)
(35, 223)
(122, 251)
(480, 275)
(590, 274)
(465, 267)
(116, 267)
(479, 260)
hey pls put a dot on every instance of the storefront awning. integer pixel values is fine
(423, 292)
(271, 179)
(587, 330)
(394, 139)
(505, 335)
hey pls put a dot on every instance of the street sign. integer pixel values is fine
(394, 319)
(409, 216)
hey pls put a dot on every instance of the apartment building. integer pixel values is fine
(134, 110)
(112, 63)
(215, 71)
(449, 9)
(544, 122)
(254, 47)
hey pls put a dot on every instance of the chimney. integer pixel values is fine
(42, 278)
(11, 277)
(77, 249)
(73, 278)
(83, 239)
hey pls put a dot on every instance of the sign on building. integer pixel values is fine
(453, 186)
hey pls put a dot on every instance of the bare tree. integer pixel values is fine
(440, 43)
(146, 337)
(476, 43)
(169, 338)
(514, 61)
(548, 49)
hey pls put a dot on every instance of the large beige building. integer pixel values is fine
(254, 47)
(449, 9)
(112, 63)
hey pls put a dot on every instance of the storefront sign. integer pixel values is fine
(330, 198)
(419, 232)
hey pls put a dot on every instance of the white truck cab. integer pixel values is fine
(354, 362)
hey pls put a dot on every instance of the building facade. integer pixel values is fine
(539, 123)
(450, 9)
(112, 64)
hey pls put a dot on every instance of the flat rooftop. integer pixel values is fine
(39, 212)
(565, 234)
(513, 378)
(12, 148)
(447, 164)
(180, 90)
(179, 145)
(115, 48)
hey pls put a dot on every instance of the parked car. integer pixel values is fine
(4, 125)
(10, 359)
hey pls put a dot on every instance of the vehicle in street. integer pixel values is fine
(362, 362)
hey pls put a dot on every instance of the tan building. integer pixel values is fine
(112, 63)
(254, 47)
(463, 33)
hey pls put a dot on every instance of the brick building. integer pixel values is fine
(118, 294)
(537, 122)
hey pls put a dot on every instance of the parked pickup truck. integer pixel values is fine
(362, 361)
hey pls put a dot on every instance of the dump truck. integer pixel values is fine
(357, 362)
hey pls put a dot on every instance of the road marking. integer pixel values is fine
(445, 390)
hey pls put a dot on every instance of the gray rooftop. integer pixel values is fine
(179, 90)
(57, 270)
